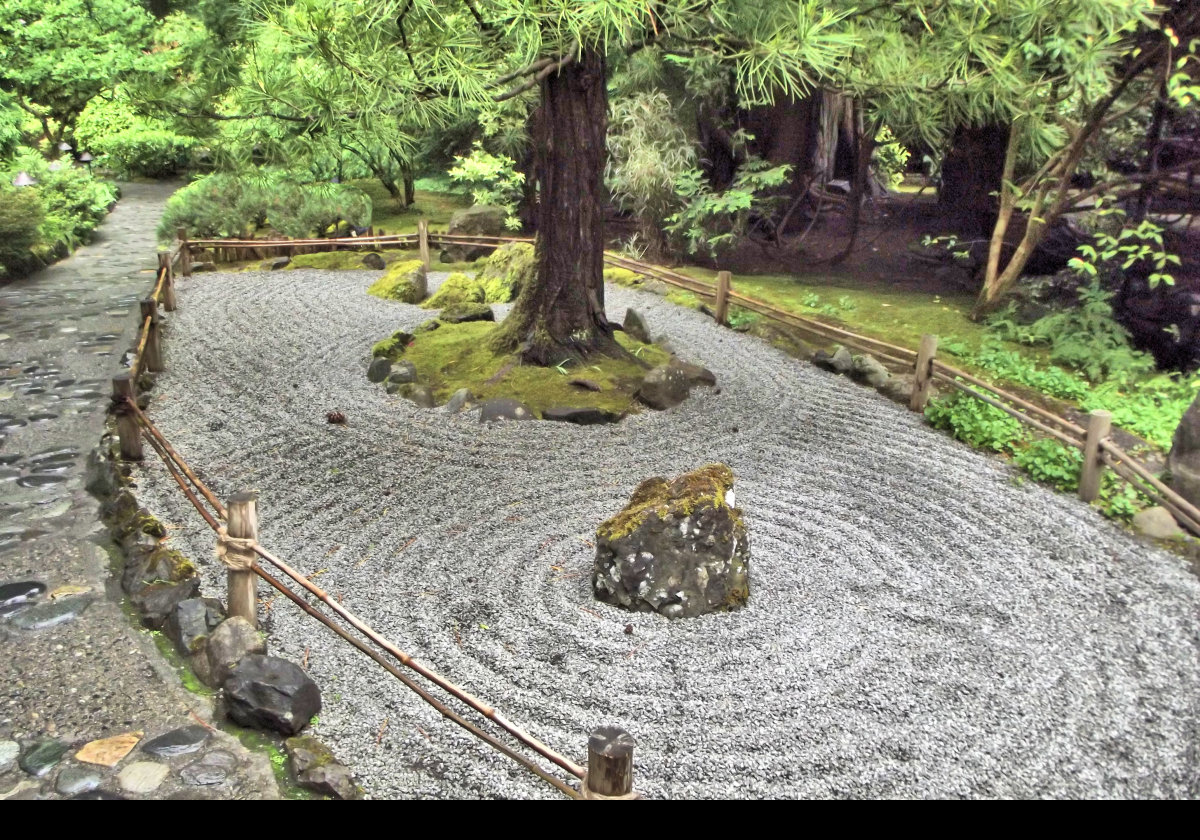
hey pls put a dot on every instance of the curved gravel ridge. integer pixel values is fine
(920, 625)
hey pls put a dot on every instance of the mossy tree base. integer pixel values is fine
(457, 356)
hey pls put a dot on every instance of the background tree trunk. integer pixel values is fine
(560, 315)
(971, 176)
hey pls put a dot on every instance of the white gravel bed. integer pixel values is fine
(920, 625)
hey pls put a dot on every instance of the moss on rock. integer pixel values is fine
(392, 347)
(403, 281)
(509, 268)
(706, 486)
(622, 277)
(457, 356)
(455, 289)
(330, 260)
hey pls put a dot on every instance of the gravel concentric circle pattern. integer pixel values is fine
(919, 625)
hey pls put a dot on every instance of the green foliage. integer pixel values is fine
(1150, 407)
(152, 153)
(1086, 337)
(711, 220)
(1014, 366)
(1127, 248)
(975, 422)
(222, 205)
(491, 180)
(890, 158)
(21, 214)
(1050, 462)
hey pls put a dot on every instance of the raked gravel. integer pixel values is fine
(920, 625)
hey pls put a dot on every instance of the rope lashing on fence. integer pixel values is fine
(235, 553)
(239, 555)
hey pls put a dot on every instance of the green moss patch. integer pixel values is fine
(403, 281)
(329, 260)
(458, 356)
(455, 289)
(506, 271)
(705, 487)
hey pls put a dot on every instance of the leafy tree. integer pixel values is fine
(56, 55)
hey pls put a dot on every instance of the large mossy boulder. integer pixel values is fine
(479, 220)
(679, 548)
(506, 271)
(403, 281)
(455, 289)
(1183, 460)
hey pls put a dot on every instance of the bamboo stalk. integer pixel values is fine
(435, 678)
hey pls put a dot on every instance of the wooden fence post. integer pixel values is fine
(1098, 425)
(128, 431)
(923, 374)
(242, 523)
(185, 253)
(153, 361)
(168, 289)
(722, 306)
(423, 241)
(610, 764)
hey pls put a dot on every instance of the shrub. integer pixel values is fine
(1050, 462)
(975, 422)
(492, 180)
(149, 152)
(21, 214)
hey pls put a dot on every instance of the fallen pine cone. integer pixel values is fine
(336, 417)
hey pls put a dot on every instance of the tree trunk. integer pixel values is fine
(410, 189)
(864, 145)
(971, 175)
(560, 315)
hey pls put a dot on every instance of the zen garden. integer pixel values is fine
(599, 399)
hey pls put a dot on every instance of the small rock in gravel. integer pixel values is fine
(75, 779)
(635, 326)
(233, 639)
(460, 400)
(664, 387)
(266, 692)
(839, 361)
(9, 750)
(41, 756)
(315, 768)
(868, 369)
(211, 769)
(402, 373)
(502, 408)
(181, 741)
(417, 393)
(379, 369)
(580, 416)
(695, 374)
(374, 261)
(142, 776)
(277, 263)
(1158, 523)
(51, 613)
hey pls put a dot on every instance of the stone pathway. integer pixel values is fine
(73, 669)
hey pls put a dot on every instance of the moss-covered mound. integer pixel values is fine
(331, 260)
(457, 356)
(403, 281)
(506, 271)
(455, 289)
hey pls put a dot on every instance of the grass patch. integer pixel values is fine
(437, 207)
(457, 356)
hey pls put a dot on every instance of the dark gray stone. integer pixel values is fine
(664, 387)
(462, 313)
(314, 767)
(635, 326)
(234, 639)
(502, 408)
(277, 263)
(899, 388)
(20, 592)
(402, 373)
(379, 369)
(580, 416)
(191, 622)
(696, 374)
(51, 613)
(374, 261)
(1183, 460)
(181, 741)
(99, 794)
(480, 220)
(840, 361)
(417, 393)
(460, 400)
(584, 384)
(869, 370)
(76, 779)
(679, 548)
(41, 756)
(212, 769)
(156, 601)
(1157, 523)
(266, 692)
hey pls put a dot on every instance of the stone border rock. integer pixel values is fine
(226, 654)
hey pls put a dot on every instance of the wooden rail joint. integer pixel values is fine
(610, 765)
